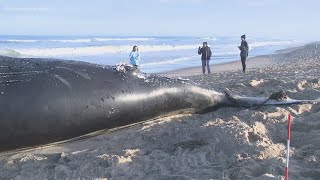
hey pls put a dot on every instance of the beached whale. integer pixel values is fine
(45, 100)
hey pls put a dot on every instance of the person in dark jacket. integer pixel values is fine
(244, 51)
(205, 53)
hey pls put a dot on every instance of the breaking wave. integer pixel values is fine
(96, 50)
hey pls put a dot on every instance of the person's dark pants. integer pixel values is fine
(205, 63)
(243, 60)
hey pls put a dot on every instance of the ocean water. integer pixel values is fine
(158, 54)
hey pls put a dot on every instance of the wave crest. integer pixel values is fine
(96, 50)
(9, 52)
(80, 40)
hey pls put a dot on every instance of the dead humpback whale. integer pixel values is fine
(44, 100)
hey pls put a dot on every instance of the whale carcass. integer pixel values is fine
(47, 100)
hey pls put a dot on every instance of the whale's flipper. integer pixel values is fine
(278, 98)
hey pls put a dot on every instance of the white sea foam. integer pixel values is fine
(217, 50)
(272, 43)
(46, 40)
(181, 60)
(123, 39)
(209, 38)
(226, 53)
(80, 40)
(20, 40)
(164, 52)
(71, 40)
(168, 61)
(98, 50)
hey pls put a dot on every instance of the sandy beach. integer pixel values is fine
(228, 143)
(254, 62)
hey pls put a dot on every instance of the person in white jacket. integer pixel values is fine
(134, 57)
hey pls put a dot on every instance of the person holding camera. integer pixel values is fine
(205, 53)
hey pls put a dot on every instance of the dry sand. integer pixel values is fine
(254, 62)
(229, 143)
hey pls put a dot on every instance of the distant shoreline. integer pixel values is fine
(252, 62)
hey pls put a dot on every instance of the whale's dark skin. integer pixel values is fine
(44, 101)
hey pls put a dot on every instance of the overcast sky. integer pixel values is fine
(259, 18)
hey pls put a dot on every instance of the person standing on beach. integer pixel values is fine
(205, 53)
(134, 57)
(244, 51)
